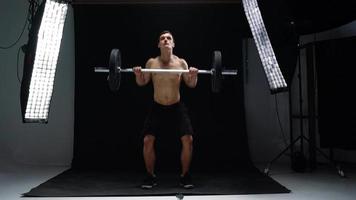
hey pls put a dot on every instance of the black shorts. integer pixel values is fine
(168, 120)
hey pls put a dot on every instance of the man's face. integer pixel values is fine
(166, 41)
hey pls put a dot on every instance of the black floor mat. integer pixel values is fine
(86, 183)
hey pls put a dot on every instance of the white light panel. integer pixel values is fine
(44, 68)
(274, 75)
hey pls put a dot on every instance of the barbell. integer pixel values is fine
(115, 70)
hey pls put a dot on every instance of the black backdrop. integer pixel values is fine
(335, 63)
(108, 125)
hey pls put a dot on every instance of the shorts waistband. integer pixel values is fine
(163, 107)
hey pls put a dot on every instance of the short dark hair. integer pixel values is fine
(164, 32)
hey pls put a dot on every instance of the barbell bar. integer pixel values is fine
(114, 70)
(155, 70)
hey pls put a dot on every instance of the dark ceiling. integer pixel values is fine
(309, 16)
(312, 16)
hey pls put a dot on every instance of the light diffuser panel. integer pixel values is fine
(273, 73)
(48, 43)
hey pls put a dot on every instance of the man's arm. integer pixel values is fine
(142, 78)
(190, 78)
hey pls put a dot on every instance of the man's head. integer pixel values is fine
(165, 40)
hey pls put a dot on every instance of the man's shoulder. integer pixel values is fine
(178, 59)
(151, 61)
(182, 62)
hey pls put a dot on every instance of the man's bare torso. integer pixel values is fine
(166, 85)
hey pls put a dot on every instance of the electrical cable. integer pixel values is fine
(33, 5)
(17, 65)
(18, 39)
(279, 121)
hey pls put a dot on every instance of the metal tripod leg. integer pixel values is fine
(266, 171)
(338, 167)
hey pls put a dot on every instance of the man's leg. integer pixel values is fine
(149, 157)
(186, 157)
(186, 154)
(149, 153)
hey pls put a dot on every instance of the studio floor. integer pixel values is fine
(323, 183)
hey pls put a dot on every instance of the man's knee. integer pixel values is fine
(187, 140)
(148, 140)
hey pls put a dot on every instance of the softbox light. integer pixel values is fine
(41, 60)
(271, 68)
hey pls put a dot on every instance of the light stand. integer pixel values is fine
(298, 159)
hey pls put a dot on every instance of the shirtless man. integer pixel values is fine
(167, 109)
